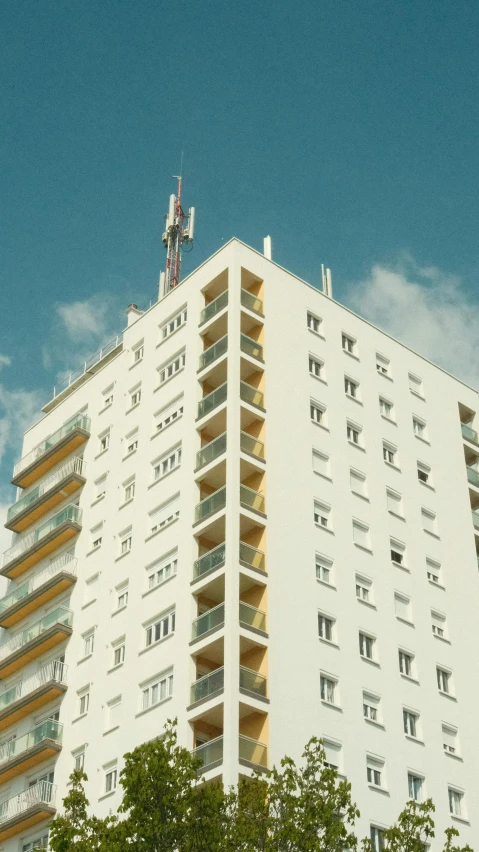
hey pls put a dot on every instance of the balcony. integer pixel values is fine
(211, 451)
(252, 681)
(251, 557)
(469, 434)
(52, 450)
(210, 505)
(208, 621)
(207, 686)
(92, 365)
(253, 303)
(34, 692)
(38, 590)
(249, 617)
(251, 395)
(41, 542)
(210, 753)
(40, 743)
(214, 307)
(210, 561)
(210, 355)
(473, 476)
(212, 400)
(251, 445)
(28, 644)
(26, 809)
(251, 751)
(251, 347)
(475, 521)
(251, 499)
(42, 499)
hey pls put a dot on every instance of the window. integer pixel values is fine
(433, 571)
(171, 367)
(79, 759)
(456, 802)
(414, 783)
(357, 481)
(131, 442)
(423, 473)
(406, 663)
(157, 689)
(326, 626)
(438, 623)
(173, 324)
(450, 739)
(113, 708)
(321, 463)
(317, 412)
(169, 461)
(107, 396)
(83, 701)
(332, 754)
(443, 680)
(128, 490)
(402, 607)
(428, 521)
(315, 367)
(390, 453)
(354, 433)
(394, 503)
(88, 643)
(118, 651)
(398, 552)
(328, 689)
(104, 440)
(348, 344)
(100, 486)
(371, 707)
(122, 595)
(377, 838)
(351, 388)
(364, 589)
(169, 413)
(162, 569)
(410, 723)
(314, 322)
(361, 535)
(96, 536)
(111, 777)
(322, 514)
(135, 396)
(91, 589)
(415, 385)
(386, 408)
(138, 352)
(160, 628)
(125, 544)
(40, 842)
(324, 569)
(366, 646)
(383, 365)
(375, 771)
(165, 514)
(419, 428)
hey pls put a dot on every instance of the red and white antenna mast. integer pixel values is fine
(178, 237)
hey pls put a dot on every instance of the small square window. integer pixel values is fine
(394, 503)
(322, 514)
(138, 353)
(88, 643)
(129, 490)
(386, 408)
(433, 571)
(438, 624)
(328, 689)
(324, 569)
(119, 654)
(429, 521)
(314, 322)
(366, 646)
(398, 552)
(321, 463)
(125, 545)
(317, 412)
(375, 771)
(424, 473)
(456, 802)
(315, 367)
(96, 536)
(361, 536)
(410, 723)
(83, 701)
(349, 344)
(390, 454)
(364, 589)
(122, 596)
(354, 433)
(111, 777)
(135, 397)
(351, 387)
(450, 741)
(100, 487)
(383, 365)
(326, 627)
(79, 760)
(357, 482)
(372, 707)
(406, 663)
(104, 442)
(402, 607)
(415, 786)
(415, 385)
(419, 428)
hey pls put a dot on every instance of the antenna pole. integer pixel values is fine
(178, 234)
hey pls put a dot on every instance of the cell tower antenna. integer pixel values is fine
(177, 237)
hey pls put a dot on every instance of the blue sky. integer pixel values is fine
(346, 130)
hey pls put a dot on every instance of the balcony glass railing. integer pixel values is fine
(211, 504)
(253, 303)
(251, 347)
(208, 620)
(75, 465)
(66, 562)
(53, 672)
(252, 499)
(249, 616)
(210, 752)
(210, 561)
(469, 433)
(211, 451)
(475, 521)
(47, 730)
(252, 751)
(77, 422)
(252, 681)
(214, 307)
(213, 352)
(207, 685)
(212, 400)
(251, 556)
(41, 793)
(251, 445)
(251, 395)
(473, 476)
(60, 615)
(69, 513)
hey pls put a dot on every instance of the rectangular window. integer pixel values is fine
(100, 486)
(321, 463)
(317, 412)
(173, 324)
(386, 408)
(414, 783)
(40, 842)
(450, 739)
(424, 473)
(377, 839)
(357, 481)
(324, 569)
(91, 589)
(322, 514)
(131, 441)
(375, 772)
(83, 701)
(383, 365)
(402, 607)
(169, 413)
(371, 707)
(159, 629)
(351, 388)
(349, 344)
(119, 652)
(433, 571)
(165, 514)
(107, 396)
(394, 503)
(315, 367)
(415, 385)
(171, 367)
(79, 759)
(456, 802)
(364, 589)
(332, 754)
(113, 709)
(128, 490)
(88, 643)
(366, 646)
(326, 626)
(428, 519)
(104, 441)
(163, 569)
(111, 778)
(314, 322)
(138, 352)
(398, 552)
(158, 689)
(438, 623)
(122, 596)
(406, 663)
(96, 536)
(125, 545)
(390, 453)
(419, 428)
(328, 689)
(410, 723)
(135, 396)
(169, 461)
(361, 535)
(354, 433)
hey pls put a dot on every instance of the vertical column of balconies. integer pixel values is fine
(471, 458)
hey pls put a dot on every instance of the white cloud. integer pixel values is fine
(5, 361)
(424, 308)
(18, 410)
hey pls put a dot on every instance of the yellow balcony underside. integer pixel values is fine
(21, 822)
(41, 549)
(46, 503)
(22, 763)
(30, 704)
(38, 646)
(36, 599)
(51, 458)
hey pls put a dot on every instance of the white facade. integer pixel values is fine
(343, 449)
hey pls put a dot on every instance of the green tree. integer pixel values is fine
(75, 830)
(414, 829)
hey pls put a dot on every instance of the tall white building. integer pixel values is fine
(253, 512)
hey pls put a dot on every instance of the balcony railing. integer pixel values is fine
(251, 395)
(41, 793)
(252, 751)
(211, 504)
(252, 499)
(73, 466)
(210, 561)
(251, 445)
(211, 451)
(253, 303)
(47, 730)
(214, 307)
(212, 400)
(69, 513)
(251, 556)
(252, 681)
(469, 433)
(475, 521)
(60, 615)
(473, 476)
(207, 685)
(208, 620)
(77, 422)
(210, 752)
(251, 347)
(66, 562)
(94, 359)
(52, 672)
(249, 616)
(213, 352)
